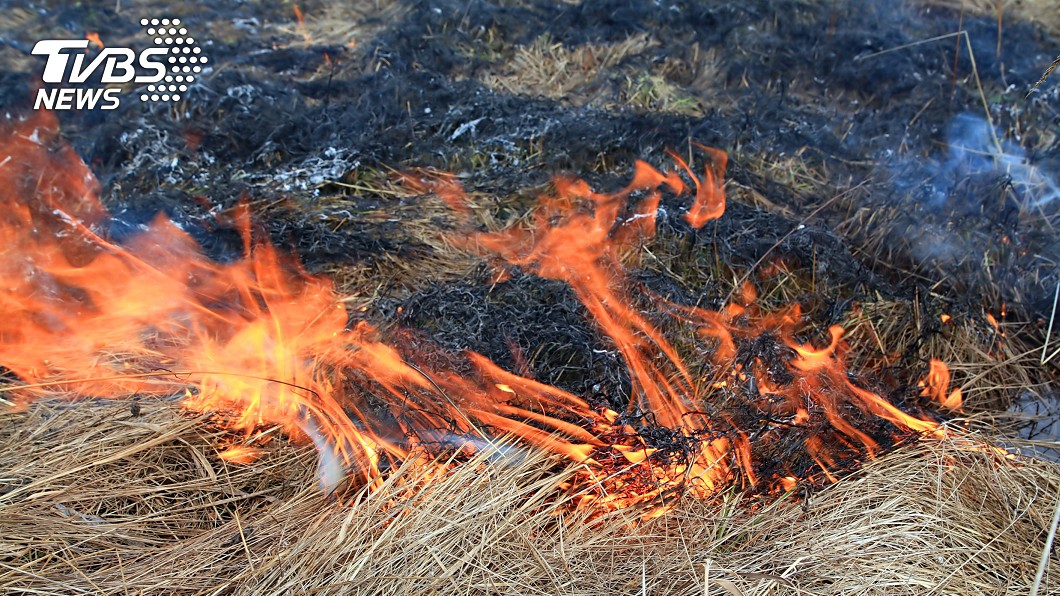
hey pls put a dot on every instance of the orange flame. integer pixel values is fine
(93, 37)
(578, 237)
(259, 342)
(937, 382)
(240, 454)
(583, 250)
(710, 195)
(443, 185)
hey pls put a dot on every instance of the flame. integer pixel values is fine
(260, 343)
(583, 250)
(709, 202)
(937, 382)
(442, 184)
(301, 27)
(240, 454)
(579, 236)
(250, 336)
(93, 37)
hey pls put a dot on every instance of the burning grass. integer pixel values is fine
(96, 500)
(445, 462)
(258, 341)
(586, 454)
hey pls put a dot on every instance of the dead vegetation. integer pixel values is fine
(1045, 75)
(598, 75)
(547, 66)
(335, 24)
(993, 366)
(94, 500)
(1042, 12)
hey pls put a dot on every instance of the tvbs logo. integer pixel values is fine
(167, 68)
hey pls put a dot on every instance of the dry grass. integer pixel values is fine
(94, 501)
(1045, 75)
(992, 366)
(656, 92)
(340, 23)
(18, 18)
(380, 204)
(592, 74)
(1041, 12)
(549, 68)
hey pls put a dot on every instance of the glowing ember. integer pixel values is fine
(258, 342)
(240, 454)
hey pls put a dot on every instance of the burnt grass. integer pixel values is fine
(841, 122)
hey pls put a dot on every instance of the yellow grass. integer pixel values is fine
(93, 500)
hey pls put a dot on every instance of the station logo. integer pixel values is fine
(162, 72)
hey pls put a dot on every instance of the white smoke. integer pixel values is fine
(975, 148)
(331, 470)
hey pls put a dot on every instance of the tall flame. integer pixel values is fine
(258, 341)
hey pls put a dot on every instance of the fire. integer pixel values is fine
(108, 320)
(442, 184)
(259, 343)
(579, 236)
(709, 202)
(93, 37)
(937, 382)
(240, 454)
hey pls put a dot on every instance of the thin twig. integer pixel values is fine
(1053, 355)
(1049, 332)
(907, 45)
(175, 373)
(1000, 19)
(1043, 562)
(975, 71)
(445, 396)
(706, 578)
(243, 539)
(982, 94)
(1045, 75)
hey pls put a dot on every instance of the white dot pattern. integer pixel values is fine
(184, 57)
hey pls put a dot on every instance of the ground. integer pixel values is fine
(886, 164)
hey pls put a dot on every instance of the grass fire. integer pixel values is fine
(565, 298)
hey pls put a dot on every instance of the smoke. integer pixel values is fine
(974, 148)
(953, 204)
(331, 470)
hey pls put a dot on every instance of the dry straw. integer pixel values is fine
(93, 500)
